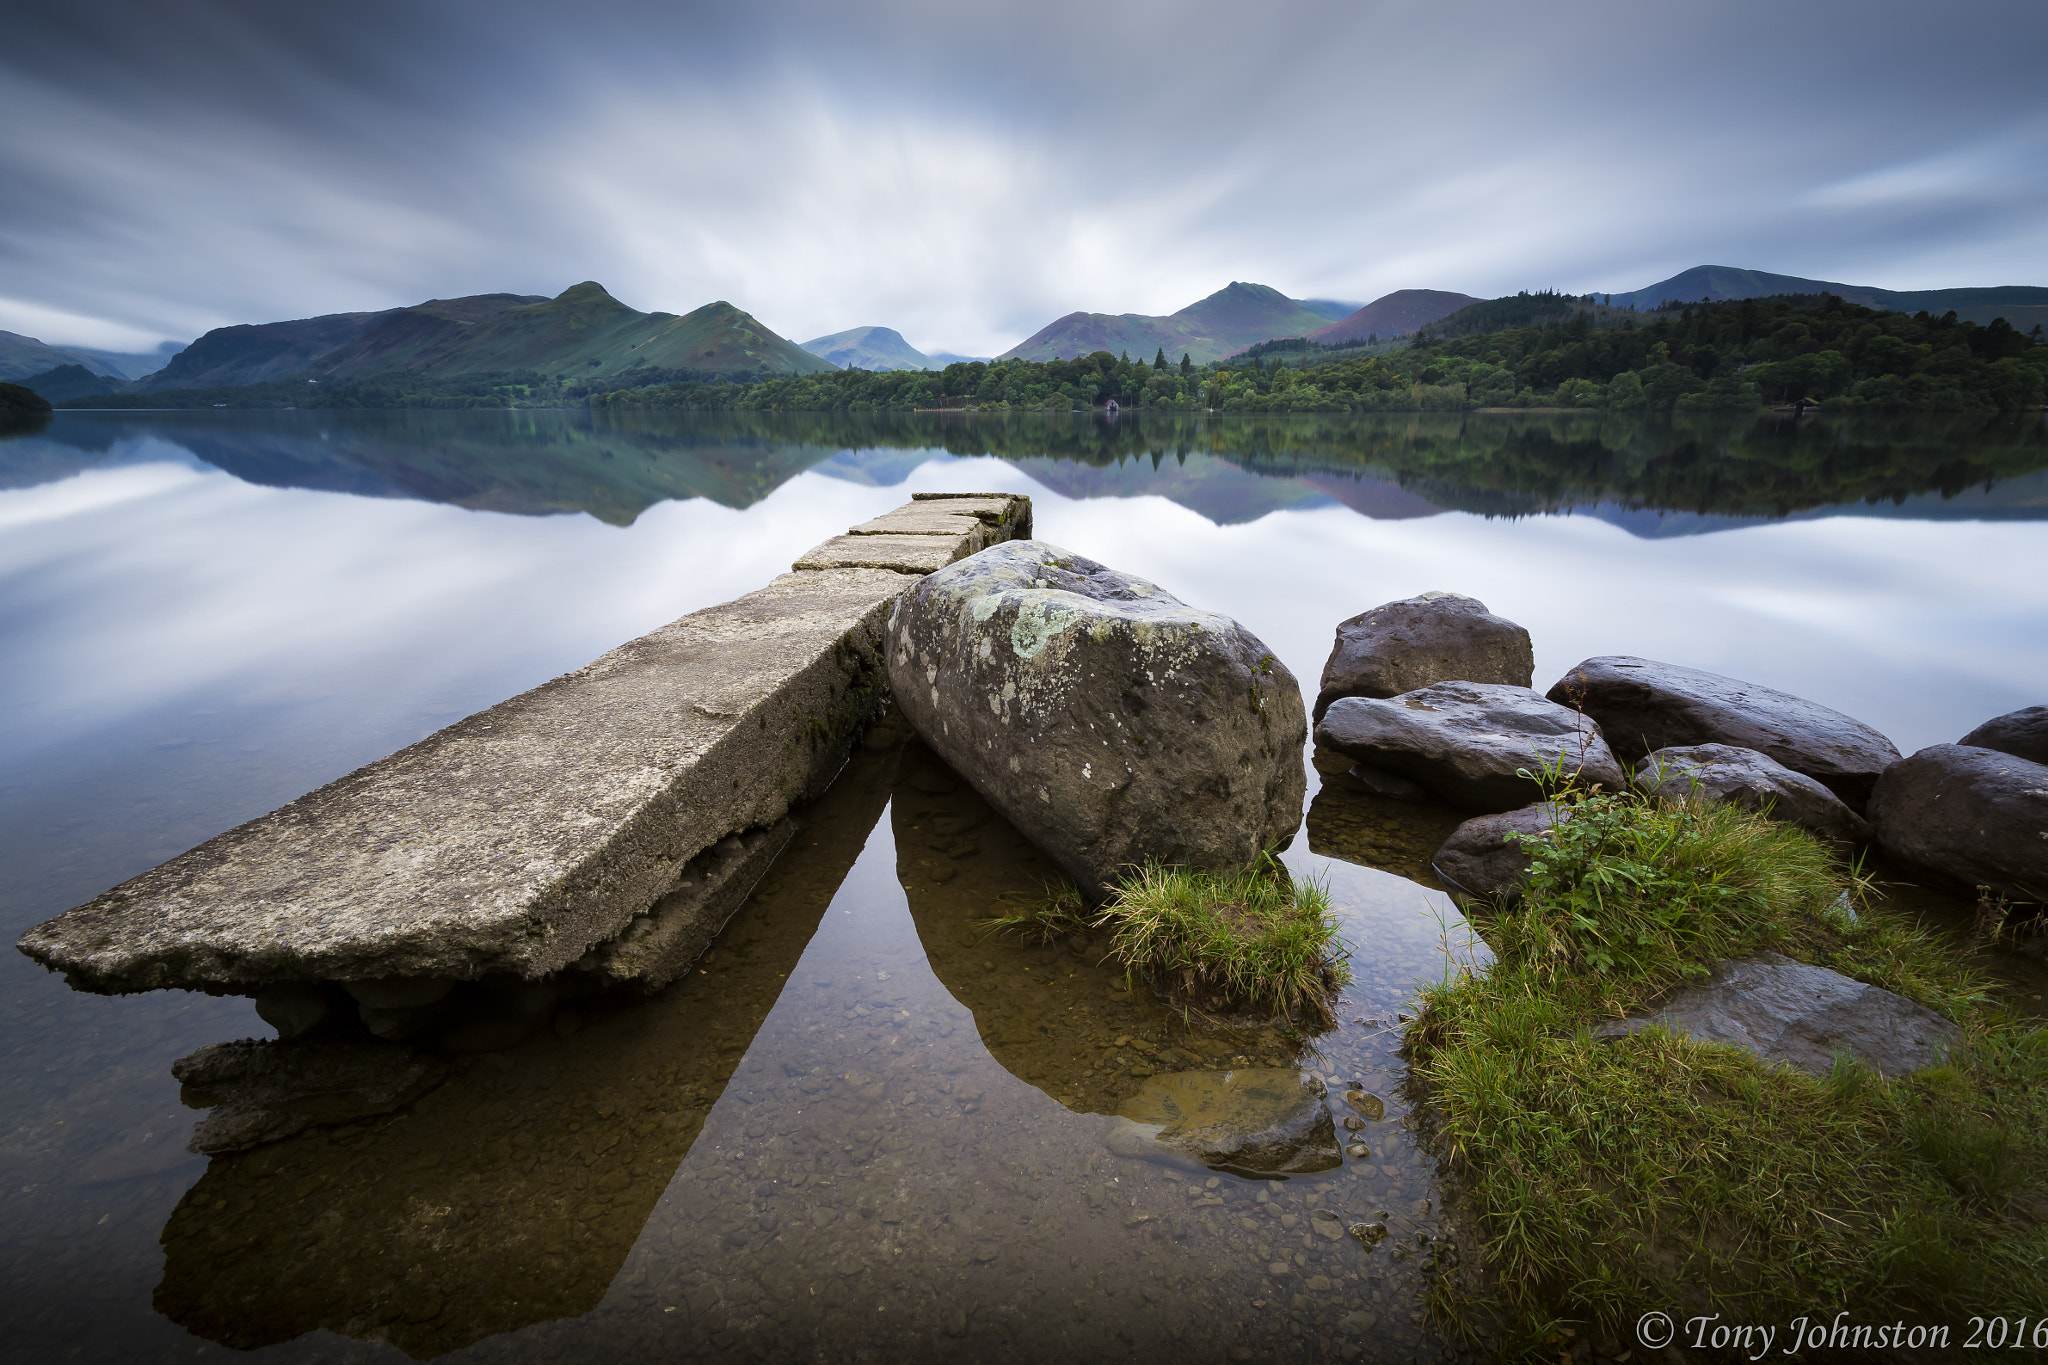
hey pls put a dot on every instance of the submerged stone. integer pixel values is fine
(1262, 1122)
(1798, 1015)
(1109, 722)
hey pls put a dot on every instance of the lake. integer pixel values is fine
(864, 1130)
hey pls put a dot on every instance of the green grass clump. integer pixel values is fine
(1224, 940)
(1609, 1178)
(1210, 941)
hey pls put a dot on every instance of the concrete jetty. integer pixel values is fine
(608, 821)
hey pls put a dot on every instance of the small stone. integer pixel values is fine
(1289, 1221)
(1358, 1151)
(1371, 1234)
(1319, 1283)
(984, 1253)
(293, 1008)
(1326, 1225)
(1357, 1324)
(1369, 1105)
(1279, 1268)
(1353, 1123)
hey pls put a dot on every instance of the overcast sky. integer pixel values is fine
(965, 172)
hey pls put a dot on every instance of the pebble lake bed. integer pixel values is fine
(863, 1128)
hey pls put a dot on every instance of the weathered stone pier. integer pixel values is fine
(602, 826)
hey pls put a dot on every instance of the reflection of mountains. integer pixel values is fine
(1653, 477)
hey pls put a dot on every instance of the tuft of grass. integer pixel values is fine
(1249, 939)
(1058, 913)
(1224, 940)
(1610, 1178)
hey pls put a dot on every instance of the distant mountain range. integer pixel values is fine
(1229, 320)
(870, 348)
(2021, 305)
(584, 335)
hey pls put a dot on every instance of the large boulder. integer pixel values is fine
(1643, 705)
(1753, 781)
(1480, 862)
(1977, 815)
(1796, 1015)
(2022, 733)
(1110, 722)
(1467, 742)
(1437, 637)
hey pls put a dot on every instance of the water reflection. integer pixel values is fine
(512, 1193)
(1714, 470)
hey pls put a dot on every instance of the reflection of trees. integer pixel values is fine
(615, 464)
(512, 1193)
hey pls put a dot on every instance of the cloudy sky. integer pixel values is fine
(965, 172)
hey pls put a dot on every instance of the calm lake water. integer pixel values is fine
(864, 1131)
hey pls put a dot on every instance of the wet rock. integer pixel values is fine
(1358, 1151)
(1371, 1234)
(1326, 1225)
(2022, 733)
(1438, 637)
(1480, 862)
(1976, 815)
(1468, 742)
(1369, 1106)
(260, 1091)
(1788, 1012)
(1108, 721)
(1753, 781)
(294, 1008)
(1643, 705)
(1257, 1122)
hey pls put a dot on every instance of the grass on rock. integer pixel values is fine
(1610, 1178)
(1251, 939)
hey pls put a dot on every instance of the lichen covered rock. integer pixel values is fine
(1107, 720)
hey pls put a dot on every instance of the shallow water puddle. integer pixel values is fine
(863, 1129)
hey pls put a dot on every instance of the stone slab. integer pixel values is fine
(911, 554)
(943, 517)
(518, 839)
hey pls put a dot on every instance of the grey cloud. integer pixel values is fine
(965, 173)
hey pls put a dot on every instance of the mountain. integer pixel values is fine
(253, 352)
(22, 356)
(581, 334)
(1229, 320)
(941, 359)
(2021, 305)
(66, 382)
(1393, 315)
(869, 348)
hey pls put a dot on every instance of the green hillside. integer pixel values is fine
(1229, 320)
(2021, 305)
(581, 334)
(870, 348)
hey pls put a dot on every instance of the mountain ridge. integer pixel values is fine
(1236, 316)
(869, 348)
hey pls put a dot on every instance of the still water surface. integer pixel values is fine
(864, 1130)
